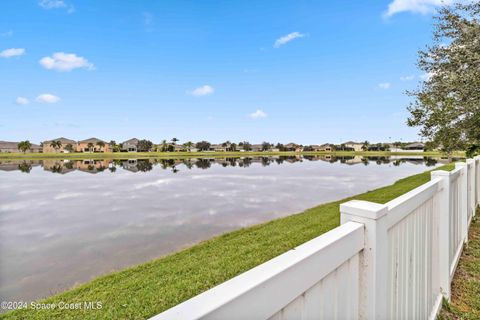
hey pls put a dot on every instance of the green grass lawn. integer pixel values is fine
(145, 290)
(143, 155)
(465, 302)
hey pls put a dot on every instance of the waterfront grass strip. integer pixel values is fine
(148, 289)
(465, 298)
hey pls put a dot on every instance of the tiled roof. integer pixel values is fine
(91, 140)
(62, 140)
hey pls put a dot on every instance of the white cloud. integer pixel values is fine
(22, 101)
(384, 85)
(257, 114)
(56, 4)
(12, 52)
(287, 38)
(407, 78)
(61, 61)
(202, 91)
(52, 4)
(8, 33)
(415, 6)
(47, 98)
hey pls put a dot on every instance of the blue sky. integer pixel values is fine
(280, 71)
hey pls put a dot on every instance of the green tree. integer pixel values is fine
(447, 105)
(164, 146)
(203, 145)
(145, 145)
(24, 146)
(101, 145)
(188, 145)
(56, 145)
(114, 146)
(365, 145)
(174, 140)
(247, 146)
(90, 146)
(69, 147)
(266, 146)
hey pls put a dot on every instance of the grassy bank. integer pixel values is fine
(144, 155)
(145, 290)
(465, 302)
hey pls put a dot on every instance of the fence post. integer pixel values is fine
(444, 206)
(477, 183)
(374, 258)
(471, 186)
(463, 197)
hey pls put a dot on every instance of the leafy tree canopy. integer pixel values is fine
(447, 105)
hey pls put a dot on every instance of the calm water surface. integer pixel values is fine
(65, 222)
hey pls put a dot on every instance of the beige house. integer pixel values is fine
(179, 148)
(65, 146)
(218, 148)
(293, 147)
(130, 145)
(93, 145)
(356, 146)
(326, 148)
(12, 147)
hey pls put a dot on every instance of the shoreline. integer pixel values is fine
(168, 155)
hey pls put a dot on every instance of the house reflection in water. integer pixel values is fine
(94, 166)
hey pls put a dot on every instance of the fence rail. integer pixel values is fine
(393, 260)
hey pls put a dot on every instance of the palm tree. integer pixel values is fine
(56, 145)
(101, 145)
(24, 146)
(113, 145)
(188, 145)
(174, 140)
(90, 147)
(164, 145)
(365, 146)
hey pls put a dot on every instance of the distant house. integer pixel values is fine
(12, 147)
(257, 148)
(326, 148)
(130, 145)
(292, 147)
(218, 148)
(92, 145)
(356, 146)
(179, 148)
(65, 146)
(416, 146)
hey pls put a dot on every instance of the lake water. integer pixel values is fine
(65, 222)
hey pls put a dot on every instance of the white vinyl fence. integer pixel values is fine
(385, 261)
